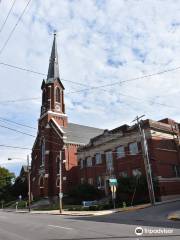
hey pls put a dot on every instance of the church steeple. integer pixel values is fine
(53, 91)
(53, 71)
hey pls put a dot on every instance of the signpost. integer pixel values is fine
(113, 186)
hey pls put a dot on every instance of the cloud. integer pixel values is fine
(99, 42)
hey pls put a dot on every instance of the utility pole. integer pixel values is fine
(146, 160)
(29, 184)
(60, 182)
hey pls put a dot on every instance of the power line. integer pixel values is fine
(12, 129)
(149, 100)
(38, 73)
(10, 10)
(95, 87)
(15, 147)
(129, 80)
(91, 88)
(21, 68)
(19, 100)
(20, 124)
(14, 28)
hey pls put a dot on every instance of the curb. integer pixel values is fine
(83, 214)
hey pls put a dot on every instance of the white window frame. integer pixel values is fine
(123, 174)
(121, 153)
(109, 160)
(81, 164)
(82, 180)
(98, 158)
(90, 181)
(133, 148)
(89, 162)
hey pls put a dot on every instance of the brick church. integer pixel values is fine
(56, 134)
(94, 155)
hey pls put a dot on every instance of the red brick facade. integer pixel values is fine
(111, 153)
(164, 153)
(55, 134)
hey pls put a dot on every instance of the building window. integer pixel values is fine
(43, 97)
(90, 181)
(176, 170)
(82, 180)
(89, 162)
(98, 158)
(136, 172)
(133, 148)
(120, 152)
(109, 161)
(81, 163)
(41, 182)
(43, 152)
(57, 182)
(99, 182)
(58, 95)
(57, 164)
(123, 174)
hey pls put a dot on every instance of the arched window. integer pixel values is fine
(57, 182)
(57, 164)
(58, 95)
(43, 96)
(43, 149)
(41, 182)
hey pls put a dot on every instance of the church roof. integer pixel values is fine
(80, 134)
(53, 71)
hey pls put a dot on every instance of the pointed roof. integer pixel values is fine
(53, 71)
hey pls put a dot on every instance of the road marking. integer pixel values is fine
(54, 226)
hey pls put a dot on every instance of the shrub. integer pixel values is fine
(84, 192)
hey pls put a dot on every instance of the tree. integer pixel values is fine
(132, 188)
(6, 177)
(6, 181)
(84, 192)
(20, 187)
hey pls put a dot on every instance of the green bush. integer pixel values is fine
(128, 185)
(84, 192)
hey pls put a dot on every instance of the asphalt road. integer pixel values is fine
(24, 226)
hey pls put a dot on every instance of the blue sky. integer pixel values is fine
(99, 42)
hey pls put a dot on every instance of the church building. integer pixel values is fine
(55, 134)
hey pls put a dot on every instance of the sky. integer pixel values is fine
(100, 42)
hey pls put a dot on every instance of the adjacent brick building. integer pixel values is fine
(118, 153)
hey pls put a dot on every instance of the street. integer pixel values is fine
(25, 226)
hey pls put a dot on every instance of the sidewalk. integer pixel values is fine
(80, 213)
(84, 213)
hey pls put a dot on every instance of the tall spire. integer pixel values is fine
(53, 71)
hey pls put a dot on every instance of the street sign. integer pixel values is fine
(61, 195)
(113, 182)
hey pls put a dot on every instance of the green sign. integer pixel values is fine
(113, 182)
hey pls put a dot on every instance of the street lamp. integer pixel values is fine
(29, 180)
(60, 179)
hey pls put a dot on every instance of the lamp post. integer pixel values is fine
(60, 178)
(60, 181)
(29, 180)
